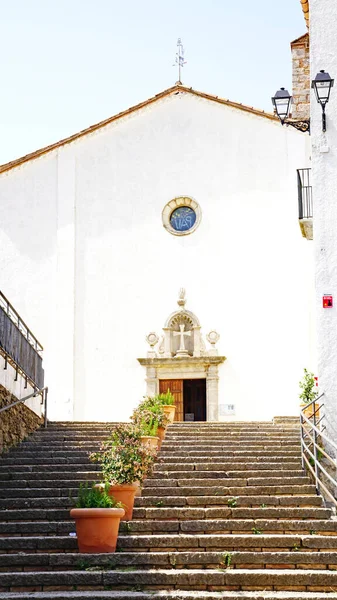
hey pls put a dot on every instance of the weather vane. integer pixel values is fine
(180, 61)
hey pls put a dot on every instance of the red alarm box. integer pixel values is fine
(327, 301)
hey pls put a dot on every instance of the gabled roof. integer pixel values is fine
(303, 39)
(172, 90)
(305, 8)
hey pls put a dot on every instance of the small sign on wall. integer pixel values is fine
(226, 409)
(327, 301)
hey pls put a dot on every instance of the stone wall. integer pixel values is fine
(15, 423)
(301, 77)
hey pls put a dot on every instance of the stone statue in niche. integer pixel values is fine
(182, 335)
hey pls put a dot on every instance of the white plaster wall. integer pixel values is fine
(7, 379)
(114, 272)
(323, 52)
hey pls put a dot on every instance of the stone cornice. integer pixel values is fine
(181, 361)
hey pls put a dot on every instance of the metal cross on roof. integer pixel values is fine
(180, 60)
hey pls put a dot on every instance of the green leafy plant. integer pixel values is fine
(91, 497)
(312, 531)
(159, 503)
(295, 548)
(263, 505)
(307, 385)
(148, 423)
(123, 457)
(226, 559)
(257, 531)
(149, 413)
(165, 399)
(232, 502)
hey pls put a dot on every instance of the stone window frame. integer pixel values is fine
(171, 206)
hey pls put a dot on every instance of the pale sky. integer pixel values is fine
(67, 64)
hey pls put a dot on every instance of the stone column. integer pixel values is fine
(212, 391)
(151, 381)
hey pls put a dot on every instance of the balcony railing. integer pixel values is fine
(19, 347)
(305, 208)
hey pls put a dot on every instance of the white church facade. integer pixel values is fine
(185, 196)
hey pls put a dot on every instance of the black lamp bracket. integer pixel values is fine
(299, 124)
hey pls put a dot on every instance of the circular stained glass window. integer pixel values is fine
(181, 215)
(183, 218)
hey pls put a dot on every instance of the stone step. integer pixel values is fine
(50, 471)
(210, 579)
(209, 525)
(157, 513)
(168, 595)
(5, 463)
(228, 437)
(37, 502)
(33, 482)
(224, 482)
(36, 492)
(225, 449)
(224, 466)
(236, 490)
(168, 560)
(211, 501)
(225, 542)
(179, 542)
(16, 455)
(238, 454)
(45, 469)
(37, 499)
(196, 474)
(220, 525)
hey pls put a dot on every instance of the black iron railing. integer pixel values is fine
(19, 347)
(305, 208)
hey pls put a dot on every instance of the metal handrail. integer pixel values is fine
(312, 447)
(19, 323)
(44, 397)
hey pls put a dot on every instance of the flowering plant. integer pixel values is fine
(307, 385)
(123, 457)
(150, 412)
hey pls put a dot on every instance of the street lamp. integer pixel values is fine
(282, 103)
(322, 85)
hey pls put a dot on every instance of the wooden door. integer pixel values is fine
(176, 388)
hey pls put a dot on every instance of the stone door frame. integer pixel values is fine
(203, 367)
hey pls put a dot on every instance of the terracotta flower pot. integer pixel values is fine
(309, 410)
(138, 492)
(169, 410)
(150, 441)
(124, 493)
(97, 528)
(161, 434)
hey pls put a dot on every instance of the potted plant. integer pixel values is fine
(308, 394)
(97, 518)
(149, 428)
(167, 402)
(150, 416)
(125, 462)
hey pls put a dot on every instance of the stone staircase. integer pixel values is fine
(228, 513)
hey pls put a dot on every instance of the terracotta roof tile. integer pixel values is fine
(176, 88)
(305, 8)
